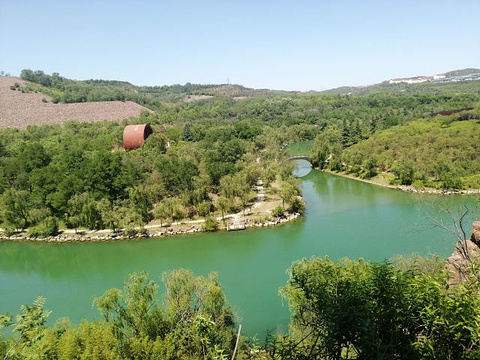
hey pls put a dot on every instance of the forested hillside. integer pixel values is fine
(435, 152)
(63, 90)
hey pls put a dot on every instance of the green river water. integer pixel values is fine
(344, 218)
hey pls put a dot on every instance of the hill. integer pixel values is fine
(453, 83)
(439, 152)
(21, 107)
(63, 90)
(462, 72)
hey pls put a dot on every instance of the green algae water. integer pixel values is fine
(344, 218)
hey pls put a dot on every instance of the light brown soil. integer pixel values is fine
(19, 110)
(190, 98)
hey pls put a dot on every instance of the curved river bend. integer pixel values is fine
(344, 218)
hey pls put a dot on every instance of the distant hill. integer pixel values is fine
(63, 90)
(21, 107)
(462, 72)
(453, 83)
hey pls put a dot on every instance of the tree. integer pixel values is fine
(355, 309)
(345, 139)
(83, 211)
(297, 205)
(187, 133)
(15, 208)
(141, 202)
(211, 224)
(162, 211)
(278, 211)
(288, 190)
(223, 204)
(195, 321)
(405, 172)
(30, 327)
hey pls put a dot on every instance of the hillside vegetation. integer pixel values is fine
(434, 152)
(63, 90)
(472, 87)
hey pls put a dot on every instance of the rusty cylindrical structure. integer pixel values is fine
(135, 135)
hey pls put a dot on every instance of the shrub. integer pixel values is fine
(9, 230)
(47, 227)
(204, 208)
(278, 211)
(211, 224)
(297, 206)
(418, 184)
(130, 232)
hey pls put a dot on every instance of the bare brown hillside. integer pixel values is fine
(18, 110)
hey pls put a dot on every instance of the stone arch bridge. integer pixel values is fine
(300, 157)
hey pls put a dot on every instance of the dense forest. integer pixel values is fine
(339, 310)
(78, 176)
(206, 155)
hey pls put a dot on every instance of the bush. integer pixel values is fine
(204, 208)
(297, 206)
(9, 230)
(130, 232)
(47, 227)
(278, 211)
(211, 224)
(418, 184)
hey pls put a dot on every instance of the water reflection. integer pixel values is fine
(302, 168)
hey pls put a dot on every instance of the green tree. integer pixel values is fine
(141, 202)
(15, 208)
(29, 328)
(211, 224)
(223, 203)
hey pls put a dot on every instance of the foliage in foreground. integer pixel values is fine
(195, 322)
(361, 310)
(339, 310)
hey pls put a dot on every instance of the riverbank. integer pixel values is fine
(149, 231)
(380, 181)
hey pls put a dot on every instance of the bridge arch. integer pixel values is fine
(302, 170)
(300, 157)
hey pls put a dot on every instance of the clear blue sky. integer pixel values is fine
(291, 45)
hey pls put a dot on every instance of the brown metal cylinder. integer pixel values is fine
(135, 135)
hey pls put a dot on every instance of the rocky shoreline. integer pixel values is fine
(140, 233)
(408, 188)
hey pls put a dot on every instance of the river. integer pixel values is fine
(344, 218)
